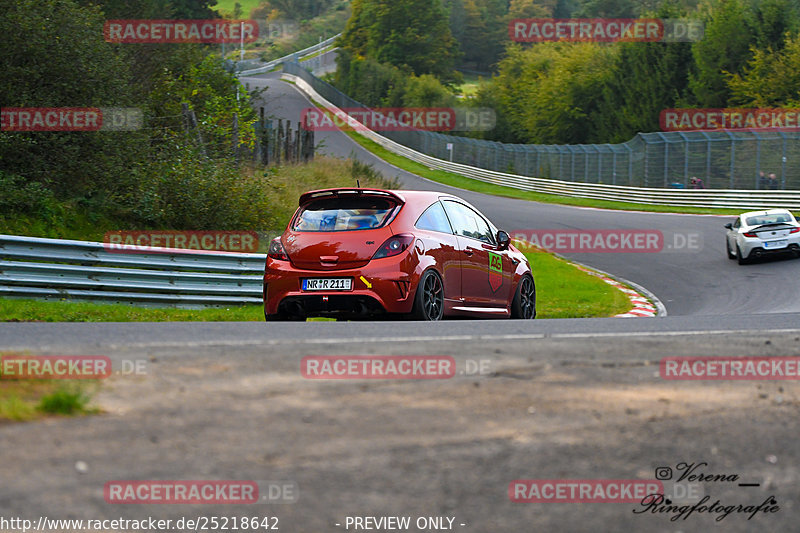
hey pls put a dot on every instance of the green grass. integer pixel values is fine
(563, 291)
(226, 7)
(66, 400)
(471, 84)
(463, 182)
(317, 53)
(29, 399)
(22, 310)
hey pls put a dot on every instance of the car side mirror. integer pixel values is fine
(729, 225)
(503, 240)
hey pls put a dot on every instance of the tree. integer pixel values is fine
(412, 33)
(550, 91)
(771, 79)
(724, 48)
(427, 91)
(772, 20)
(67, 64)
(649, 77)
(522, 9)
(485, 33)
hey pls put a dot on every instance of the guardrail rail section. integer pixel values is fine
(33, 267)
(293, 57)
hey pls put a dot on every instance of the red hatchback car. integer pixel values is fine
(365, 252)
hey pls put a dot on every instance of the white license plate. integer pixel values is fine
(327, 284)
(776, 244)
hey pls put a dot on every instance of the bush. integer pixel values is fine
(64, 401)
(22, 197)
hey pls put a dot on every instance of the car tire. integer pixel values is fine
(524, 303)
(429, 298)
(742, 260)
(731, 255)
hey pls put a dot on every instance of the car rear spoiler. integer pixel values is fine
(345, 193)
(772, 226)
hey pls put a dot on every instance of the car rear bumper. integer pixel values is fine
(755, 248)
(383, 285)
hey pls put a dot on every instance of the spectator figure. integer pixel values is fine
(696, 183)
(772, 180)
(763, 182)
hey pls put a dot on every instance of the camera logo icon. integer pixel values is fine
(663, 473)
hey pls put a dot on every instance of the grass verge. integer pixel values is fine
(563, 291)
(29, 399)
(21, 310)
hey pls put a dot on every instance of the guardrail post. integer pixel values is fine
(572, 163)
(630, 164)
(585, 164)
(685, 159)
(599, 164)
(783, 162)
(614, 168)
(733, 158)
(758, 161)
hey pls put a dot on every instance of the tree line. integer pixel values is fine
(407, 52)
(55, 55)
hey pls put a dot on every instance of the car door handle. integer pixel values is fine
(468, 252)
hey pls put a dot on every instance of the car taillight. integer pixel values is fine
(795, 230)
(394, 245)
(276, 250)
(751, 235)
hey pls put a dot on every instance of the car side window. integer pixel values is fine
(467, 222)
(434, 219)
(737, 224)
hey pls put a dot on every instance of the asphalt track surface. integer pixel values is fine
(543, 399)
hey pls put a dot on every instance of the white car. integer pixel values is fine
(760, 233)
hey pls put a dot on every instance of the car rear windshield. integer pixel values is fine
(760, 220)
(343, 214)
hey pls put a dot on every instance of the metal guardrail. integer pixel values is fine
(295, 56)
(33, 267)
(711, 198)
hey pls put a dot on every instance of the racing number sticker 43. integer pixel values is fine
(495, 271)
